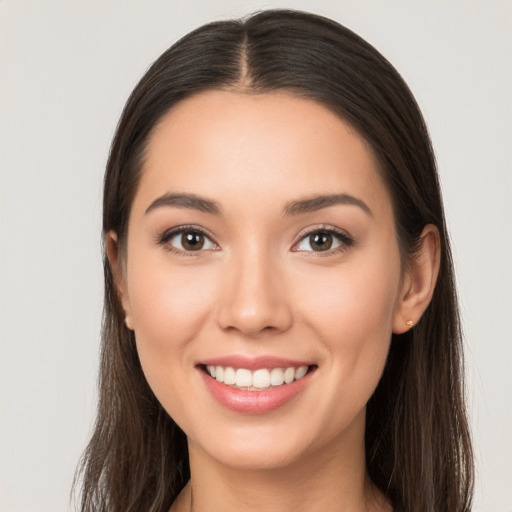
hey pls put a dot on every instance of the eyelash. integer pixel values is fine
(346, 241)
(170, 233)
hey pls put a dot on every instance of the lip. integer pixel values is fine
(253, 402)
(254, 363)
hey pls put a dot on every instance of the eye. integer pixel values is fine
(187, 240)
(323, 240)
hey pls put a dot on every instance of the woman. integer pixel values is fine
(281, 327)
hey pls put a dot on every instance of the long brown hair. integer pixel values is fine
(418, 447)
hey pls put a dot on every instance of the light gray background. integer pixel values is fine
(66, 69)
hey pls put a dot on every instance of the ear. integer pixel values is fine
(118, 272)
(419, 281)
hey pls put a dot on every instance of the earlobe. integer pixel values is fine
(118, 273)
(419, 282)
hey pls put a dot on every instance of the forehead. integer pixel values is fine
(272, 146)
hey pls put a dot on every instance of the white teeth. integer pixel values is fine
(262, 378)
(229, 376)
(276, 377)
(243, 378)
(299, 372)
(289, 375)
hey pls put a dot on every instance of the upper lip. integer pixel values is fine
(253, 363)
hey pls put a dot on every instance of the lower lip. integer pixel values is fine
(254, 402)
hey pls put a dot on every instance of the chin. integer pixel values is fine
(273, 446)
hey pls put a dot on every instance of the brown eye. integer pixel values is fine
(320, 241)
(192, 241)
(324, 240)
(189, 240)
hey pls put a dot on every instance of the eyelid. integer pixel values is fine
(346, 240)
(168, 234)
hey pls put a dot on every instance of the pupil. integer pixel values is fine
(193, 241)
(321, 241)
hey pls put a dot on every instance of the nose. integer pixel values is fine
(253, 296)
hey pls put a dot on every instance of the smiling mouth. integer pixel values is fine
(262, 379)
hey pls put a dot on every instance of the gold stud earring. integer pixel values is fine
(409, 323)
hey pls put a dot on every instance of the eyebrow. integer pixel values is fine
(189, 201)
(312, 204)
(316, 203)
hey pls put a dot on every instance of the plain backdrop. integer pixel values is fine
(66, 68)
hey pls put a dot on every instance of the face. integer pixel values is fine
(262, 276)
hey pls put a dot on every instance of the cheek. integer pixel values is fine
(358, 300)
(352, 310)
(169, 305)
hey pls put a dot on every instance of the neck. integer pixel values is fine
(330, 480)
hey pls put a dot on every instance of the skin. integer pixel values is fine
(259, 289)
